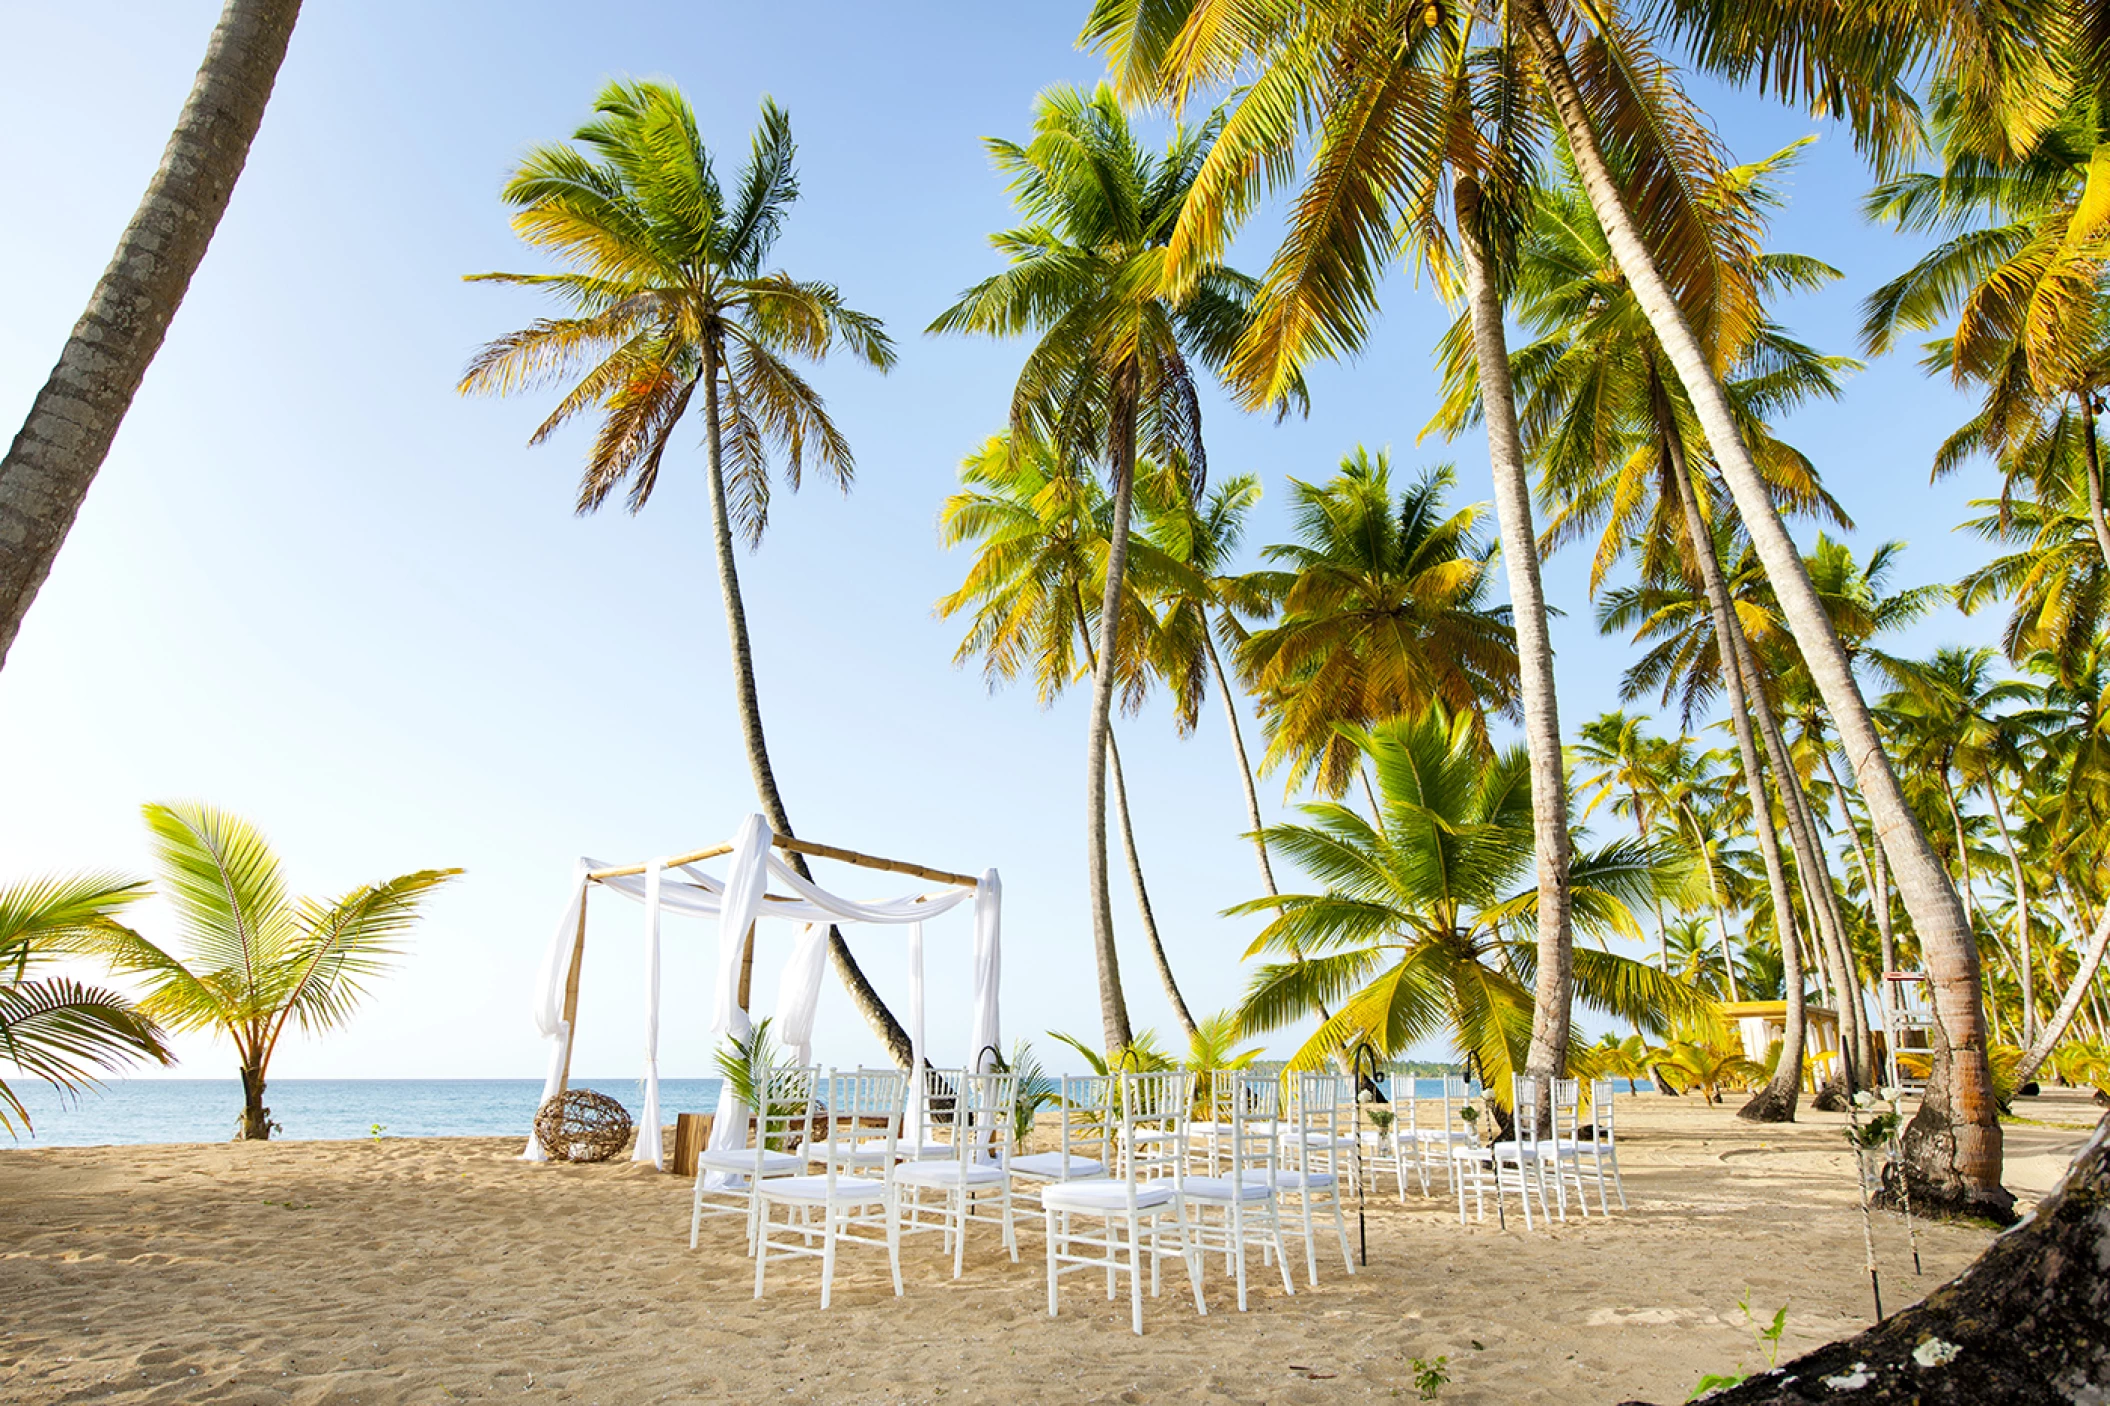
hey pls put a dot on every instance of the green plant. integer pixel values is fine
(55, 1029)
(376, 1130)
(258, 959)
(1765, 1340)
(1035, 1090)
(1430, 1376)
(745, 1065)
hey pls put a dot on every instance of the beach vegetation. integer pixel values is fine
(54, 1027)
(253, 960)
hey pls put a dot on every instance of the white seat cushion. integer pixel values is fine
(950, 1174)
(774, 1164)
(905, 1149)
(1100, 1197)
(850, 1191)
(1224, 1190)
(1512, 1151)
(1052, 1166)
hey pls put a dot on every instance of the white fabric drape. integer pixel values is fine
(549, 999)
(985, 1033)
(746, 880)
(799, 992)
(648, 1148)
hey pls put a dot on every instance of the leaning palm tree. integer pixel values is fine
(1040, 526)
(1385, 612)
(1415, 931)
(1113, 372)
(55, 1028)
(71, 423)
(254, 959)
(669, 299)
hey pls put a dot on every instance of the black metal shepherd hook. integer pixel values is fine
(1365, 1082)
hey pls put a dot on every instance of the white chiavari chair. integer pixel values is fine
(982, 1121)
(778, 1132)
(1245, 1197)
(853, 1208)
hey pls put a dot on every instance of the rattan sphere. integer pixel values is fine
(582, 1126)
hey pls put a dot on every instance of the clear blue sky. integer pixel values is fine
(315, 586)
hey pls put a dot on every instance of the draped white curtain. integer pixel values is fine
(737, 903)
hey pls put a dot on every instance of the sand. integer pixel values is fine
(439, 1270)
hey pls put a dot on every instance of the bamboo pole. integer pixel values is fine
(812, 847)
(571, 998)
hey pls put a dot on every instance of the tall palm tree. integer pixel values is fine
(1384, 613)
(67, 435)
(1040, 526)
(668, 293)
(1113, 372)
(55, 1028)
(255, 959)
(1413, 933)
(1823, 53)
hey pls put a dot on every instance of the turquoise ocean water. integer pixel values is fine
(205, 1110)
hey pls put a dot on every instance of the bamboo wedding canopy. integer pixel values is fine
(674, 883)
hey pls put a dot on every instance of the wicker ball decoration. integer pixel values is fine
(582, 1126)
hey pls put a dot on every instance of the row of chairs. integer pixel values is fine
(1148, 1167)
(1563, 1153)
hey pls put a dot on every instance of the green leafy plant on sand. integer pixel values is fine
(54, 1028)
(1431, 1376)
(1763, 1339)
(376, 1130)
(745, 1065)
(1035, 1090)
(256, 959)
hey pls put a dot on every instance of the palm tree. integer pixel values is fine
(1413, 933)
(1112, 375)
(55, 1028)
(63, 442)
(668, 293)
(1810, 47)
(255, 959)
(1040, 528)
(1384, 614)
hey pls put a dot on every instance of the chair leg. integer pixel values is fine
(893, 1241)
(959, 1198)
(1617, 1184)
(1311, 1249)
(1237, 1216)
(1048, 1214)
(1340, 1225)
(1135, 1276)
(1274, 1229)
(762, 1249)
(1190, 1255)
(828, 1218)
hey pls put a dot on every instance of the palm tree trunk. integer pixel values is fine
(1121, 442)
(1245, 765)
(2014, 866)
(1551, 1011)
(63, 442)
(1128, 846)
(1775, 1103)
(1878, 880)
(1963, 848)
(2096, 516)
(1954, 1142)
(1180, 1012)
(256, 1119)
(749, 707)
(2083, 979)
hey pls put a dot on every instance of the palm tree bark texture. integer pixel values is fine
(2028, 1323)
(1953, 1144)
(1550, 1013)
(61, 446)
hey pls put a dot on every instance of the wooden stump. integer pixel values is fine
(691, 1132)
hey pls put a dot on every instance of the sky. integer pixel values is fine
(315, 586)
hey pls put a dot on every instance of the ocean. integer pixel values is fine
(205, 1110)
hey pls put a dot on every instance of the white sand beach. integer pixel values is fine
(436, 1270)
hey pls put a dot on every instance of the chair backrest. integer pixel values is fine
(1567, 1109)
(860, 1103)
(1255, 1109)
(1154, 1115)
(1319, 1125)
(1089, 1118)
(1601, 1092)
(982, 1117)
(784, 1122)
(1524, 1110)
